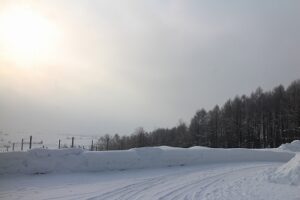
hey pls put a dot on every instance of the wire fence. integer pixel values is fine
(29, 143)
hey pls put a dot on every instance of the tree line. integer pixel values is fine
(260, 120)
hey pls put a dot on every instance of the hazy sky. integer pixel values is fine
(96, 67)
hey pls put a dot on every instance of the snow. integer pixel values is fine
(41, 161)
(152, 173)
(293, 146)
(232, 181)
(289, 173)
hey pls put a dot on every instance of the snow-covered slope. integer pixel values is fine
(77, 160)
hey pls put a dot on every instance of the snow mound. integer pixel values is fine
(40, 161)
(289, 173)
(293, 146)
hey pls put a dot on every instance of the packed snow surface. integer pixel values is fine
(152, 173)
(223, 181)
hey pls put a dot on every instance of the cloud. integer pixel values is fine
(121, 64)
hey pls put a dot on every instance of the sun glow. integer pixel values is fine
(26, 37)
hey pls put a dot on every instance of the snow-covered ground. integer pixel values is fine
(216, 181)
(152, 173)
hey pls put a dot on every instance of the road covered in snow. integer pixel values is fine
(201, 177)
(216, 181)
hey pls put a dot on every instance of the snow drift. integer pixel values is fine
(293, 146)
(39, 161)
(289, 173)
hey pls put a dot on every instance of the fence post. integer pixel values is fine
(92, 146)
(22, 144)
(72, 142)
(58, 144)
(30, 142)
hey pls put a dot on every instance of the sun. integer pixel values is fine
(25, 36)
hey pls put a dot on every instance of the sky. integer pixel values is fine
(97, 67)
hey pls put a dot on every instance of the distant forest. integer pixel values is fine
(261, 120)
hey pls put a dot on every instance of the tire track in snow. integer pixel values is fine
(193, 190)
(188, 185)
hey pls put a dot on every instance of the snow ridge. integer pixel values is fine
(41, 161)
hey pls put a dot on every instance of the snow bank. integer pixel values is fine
(289, 173)
(293, 146)
(76, 160)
